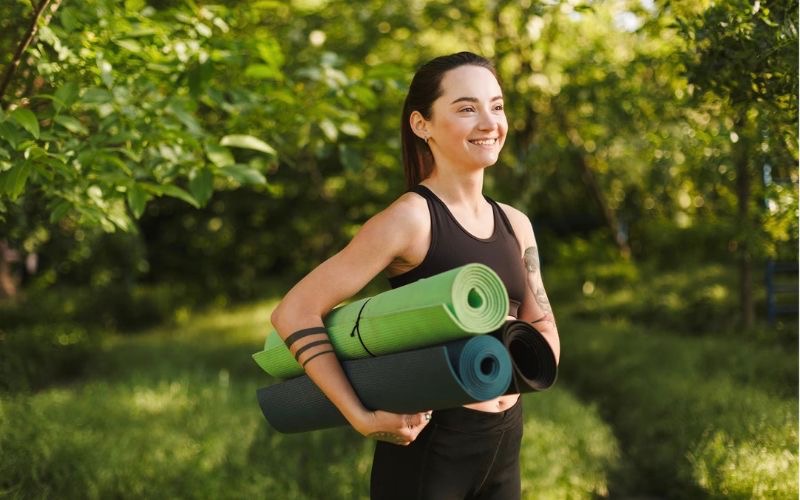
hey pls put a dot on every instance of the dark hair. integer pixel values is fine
(424, 89)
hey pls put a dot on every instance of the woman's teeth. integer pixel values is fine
(483, 142)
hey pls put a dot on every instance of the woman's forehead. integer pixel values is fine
(470, 81)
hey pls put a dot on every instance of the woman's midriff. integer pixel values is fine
(495, 405)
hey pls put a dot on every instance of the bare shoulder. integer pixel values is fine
(397, 228)
(409, 212)
(521, 224)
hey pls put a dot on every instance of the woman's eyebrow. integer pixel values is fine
(475, 99)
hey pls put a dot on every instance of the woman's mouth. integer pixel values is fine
(484, 142)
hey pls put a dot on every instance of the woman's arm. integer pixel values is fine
(535, 307)
(383, 239)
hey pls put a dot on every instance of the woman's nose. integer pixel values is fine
(487, 121)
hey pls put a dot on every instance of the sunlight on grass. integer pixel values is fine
(698, 416)
(567, 449)
(172, 413)
(166, 397)
(750, 469)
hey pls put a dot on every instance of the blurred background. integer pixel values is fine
(169, 168)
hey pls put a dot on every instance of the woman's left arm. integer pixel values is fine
(535, 307)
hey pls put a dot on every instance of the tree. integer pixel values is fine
(746, 54)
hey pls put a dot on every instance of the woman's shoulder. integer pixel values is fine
(518, 219)
(408, 214)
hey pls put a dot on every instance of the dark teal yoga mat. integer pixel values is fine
(533, 361)
(433, 378)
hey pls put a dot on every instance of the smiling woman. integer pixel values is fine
(453, 128)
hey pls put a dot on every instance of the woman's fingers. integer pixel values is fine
(397, 428)
(390, 437)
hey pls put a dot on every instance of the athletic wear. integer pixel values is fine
(462, 453)
(452, 246)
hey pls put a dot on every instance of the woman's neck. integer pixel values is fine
(457, 188)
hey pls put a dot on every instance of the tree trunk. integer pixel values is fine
(743, 193)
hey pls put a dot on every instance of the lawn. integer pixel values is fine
(171, 413)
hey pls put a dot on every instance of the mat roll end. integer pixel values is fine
(533, 360)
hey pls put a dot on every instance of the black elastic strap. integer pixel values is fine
(314, 356)
(299, 334)
(357, 331)
(309, 346)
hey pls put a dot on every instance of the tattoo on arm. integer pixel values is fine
(535, 280)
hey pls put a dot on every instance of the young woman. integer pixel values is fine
(453, 128)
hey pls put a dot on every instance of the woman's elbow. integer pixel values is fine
(276, 318)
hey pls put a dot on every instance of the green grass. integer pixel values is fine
(695, 417)
(171, 413)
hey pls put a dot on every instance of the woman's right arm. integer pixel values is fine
(385, 237)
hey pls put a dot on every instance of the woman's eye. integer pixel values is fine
(468, 109)
(499, 107)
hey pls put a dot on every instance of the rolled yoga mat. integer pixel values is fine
(464, 301)
(433, 378)
(534, 363)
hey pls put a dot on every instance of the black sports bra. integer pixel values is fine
(452, 246)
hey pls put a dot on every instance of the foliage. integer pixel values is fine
(607, 104)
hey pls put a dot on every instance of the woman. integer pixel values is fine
(453, 128)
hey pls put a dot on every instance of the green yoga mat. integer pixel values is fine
(433, 378)
(464, 301)
(534, 363)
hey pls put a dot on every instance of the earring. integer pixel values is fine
(427, 139)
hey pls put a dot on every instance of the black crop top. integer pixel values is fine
(452, 246)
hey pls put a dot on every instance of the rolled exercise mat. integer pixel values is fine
(433, 378)
(464, 301)
(532, 358)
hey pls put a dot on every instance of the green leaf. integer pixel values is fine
(71, 124)
(129, 45)
(105, 71)
(201, 185)
(66, 95)
(137, 200)
(12, 134)
(59, 211)
(219, 155)
(263, 72)
(329, 129)
(244, 174)
(96, 95)
(247, 142)
(176, 192)
(12, 182)
(353, 129)
(185, 117)
(27, 120)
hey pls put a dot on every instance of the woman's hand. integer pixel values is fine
(394, 428)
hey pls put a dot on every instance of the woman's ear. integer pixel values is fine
(419, 125)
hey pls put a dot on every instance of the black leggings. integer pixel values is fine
(461, 454)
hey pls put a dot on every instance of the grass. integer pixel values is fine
(702, 417)
(171, 413)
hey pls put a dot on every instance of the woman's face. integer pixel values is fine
(468, 125)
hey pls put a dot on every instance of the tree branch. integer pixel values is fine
(8, 74)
